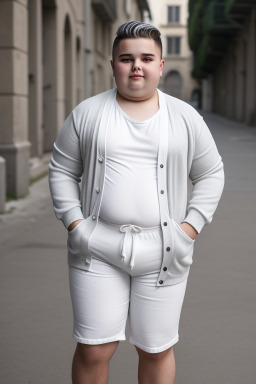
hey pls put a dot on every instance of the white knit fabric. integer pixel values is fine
(186, 150)
(130, 191)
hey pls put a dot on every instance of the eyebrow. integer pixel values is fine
(129, 54)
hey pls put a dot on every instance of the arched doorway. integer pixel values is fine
(35, 94)
(173, 84)
(50, 123)
(78, 71)
(68, 66)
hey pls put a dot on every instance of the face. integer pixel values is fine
(137, 68)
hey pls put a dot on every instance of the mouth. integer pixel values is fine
(136, 77)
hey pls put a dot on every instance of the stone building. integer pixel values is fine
(53, 54)
(170, 17)
(102, 19)
(41, 74)
(225, 56)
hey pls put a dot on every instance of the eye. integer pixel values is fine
(126, 60)
(147, 59)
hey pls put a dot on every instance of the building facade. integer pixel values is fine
(41, 75)
(225, 56)
(53, 54)
(170, 17)
(102, 19)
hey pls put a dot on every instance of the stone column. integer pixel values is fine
(51, 74)
(35, 78)
(14, 145)
(87, 54)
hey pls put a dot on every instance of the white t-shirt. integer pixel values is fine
(130, 190)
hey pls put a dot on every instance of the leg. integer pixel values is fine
(91, 363)
(100, 300)
(156, 368)
(154, 322)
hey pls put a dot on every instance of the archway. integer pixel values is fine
(79, 76)
(173, 84)
(50, 123)
(35, 94)
(68, 66)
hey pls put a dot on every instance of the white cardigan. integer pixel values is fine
(186, 150)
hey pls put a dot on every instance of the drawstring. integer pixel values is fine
(129, 230)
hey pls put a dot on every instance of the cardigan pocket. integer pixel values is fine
(183, 251)
(75, 237)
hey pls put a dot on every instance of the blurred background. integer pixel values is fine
(53, 55)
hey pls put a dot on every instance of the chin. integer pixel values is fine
(136, 93)
(139, 96)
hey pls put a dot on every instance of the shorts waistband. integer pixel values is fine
(128, 242)
(117, 226)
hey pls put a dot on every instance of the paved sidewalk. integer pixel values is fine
(217, 329)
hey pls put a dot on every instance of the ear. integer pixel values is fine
(112, 66)
(161, 67)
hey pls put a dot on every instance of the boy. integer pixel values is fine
(131, 232)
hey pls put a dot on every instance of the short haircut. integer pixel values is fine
(137, 29)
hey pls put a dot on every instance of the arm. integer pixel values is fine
(74, 224)
(207, 177)
(65, 173)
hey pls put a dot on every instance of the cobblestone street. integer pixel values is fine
(217, 327)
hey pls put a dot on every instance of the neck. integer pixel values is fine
(124, 98)
(139, 109)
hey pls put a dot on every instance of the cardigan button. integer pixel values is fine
(165, 223)
(165, 268)
(93, 217)
(168, 249)
(101, 159)
(161, 191)
(97, 190)
(161, 282)
(161, 165)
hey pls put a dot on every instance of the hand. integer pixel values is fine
(189, 230)
(73, 225)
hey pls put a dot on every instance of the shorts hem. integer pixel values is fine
(156, 349)
(98, 341)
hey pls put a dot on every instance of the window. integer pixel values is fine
(173, 14)
(173, 45)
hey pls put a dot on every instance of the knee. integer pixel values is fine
(154, 357)
(95, 354)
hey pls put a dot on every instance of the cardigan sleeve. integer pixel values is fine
(207, 176)
(65, 171)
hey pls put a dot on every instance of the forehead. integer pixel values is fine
(137, 46)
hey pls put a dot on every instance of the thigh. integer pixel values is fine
(100, 301)
(155, 313)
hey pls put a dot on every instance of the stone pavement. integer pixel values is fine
(217, 328)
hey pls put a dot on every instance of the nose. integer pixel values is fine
(136, 65)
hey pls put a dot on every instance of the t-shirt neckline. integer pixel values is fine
(138, 121)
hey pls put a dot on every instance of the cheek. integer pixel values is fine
(121, 72)
(153, 72)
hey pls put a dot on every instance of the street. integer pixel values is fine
(217, 327)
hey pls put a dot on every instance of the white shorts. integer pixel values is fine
(121, 284)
